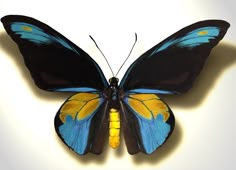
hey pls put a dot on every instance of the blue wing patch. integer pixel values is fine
(154, 91)
(75, 89)
(36, 35)
(152, 115)
(154, 132)
(75, 133)
(75, 116)
(192, 39)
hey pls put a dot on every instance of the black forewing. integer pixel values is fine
(53, 61)
(173, 65)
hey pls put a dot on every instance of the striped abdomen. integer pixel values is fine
(114, 128)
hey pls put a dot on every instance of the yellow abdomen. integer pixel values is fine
(114, 128)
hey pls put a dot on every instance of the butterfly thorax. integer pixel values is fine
(114, 88)
(114, 115)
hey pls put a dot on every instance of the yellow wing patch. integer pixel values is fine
(27, 28)
(88, 108)
(143, 96)
(148, 106)
(84, 96)
(70, 108)
(203, 32)
(80, 106)
(140, 108)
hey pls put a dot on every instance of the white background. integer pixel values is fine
(204, 137)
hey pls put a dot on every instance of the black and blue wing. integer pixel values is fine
(172, 65)
(147, 122)
(82, 122)
(169, 67)
(55, 63)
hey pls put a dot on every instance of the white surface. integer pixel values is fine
(204, 137)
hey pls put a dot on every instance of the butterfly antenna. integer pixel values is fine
(128, 55)
(102, 54)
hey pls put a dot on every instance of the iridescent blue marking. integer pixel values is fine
(153, 132)
(75, 89)
(153, 91)
(37, 35)
(164, 46)
(211, 32)
(194, 38)
(75, 133)
(191, 39)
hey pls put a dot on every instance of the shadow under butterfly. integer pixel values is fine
(100, 109)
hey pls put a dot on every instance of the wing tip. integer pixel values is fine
(217, 22)
(8, 18)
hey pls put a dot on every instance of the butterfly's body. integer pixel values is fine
(100, 109)
(113, 95)
(114, 128)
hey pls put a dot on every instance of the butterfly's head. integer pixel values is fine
(113, 81)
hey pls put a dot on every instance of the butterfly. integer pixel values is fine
(101, 108)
